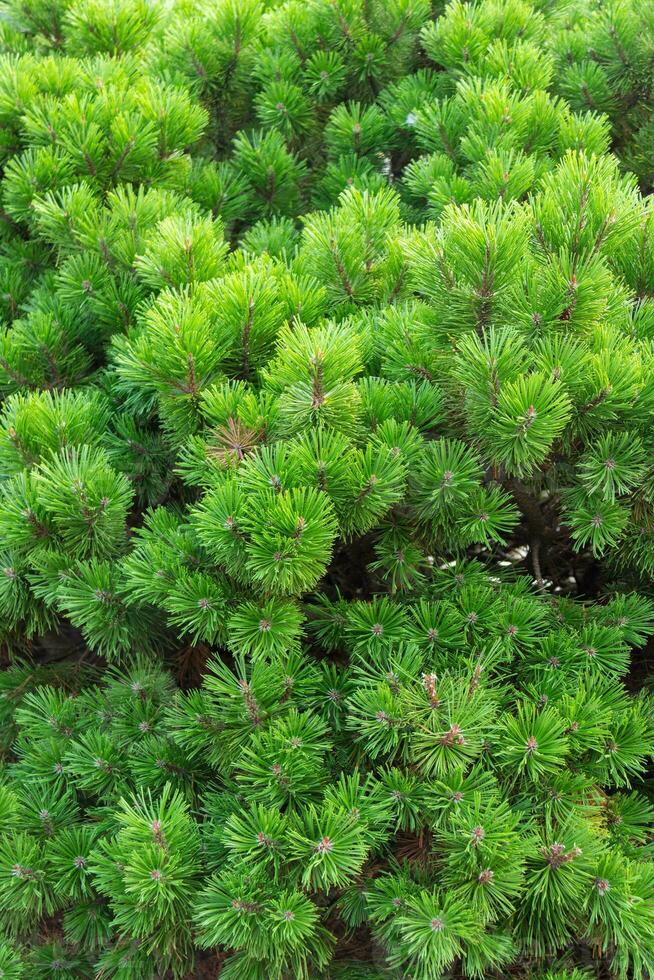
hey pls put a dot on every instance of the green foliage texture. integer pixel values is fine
(326, 489)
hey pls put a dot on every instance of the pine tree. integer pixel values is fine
(326, 494)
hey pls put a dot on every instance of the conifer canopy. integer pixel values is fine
(326, 489)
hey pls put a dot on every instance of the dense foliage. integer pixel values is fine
(326, 489)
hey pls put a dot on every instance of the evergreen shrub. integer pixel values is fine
(326, 489)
